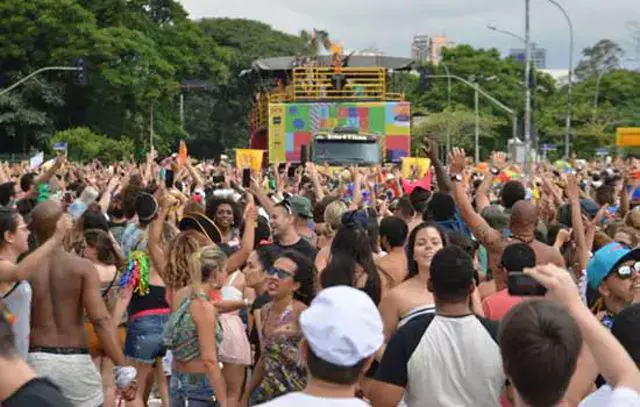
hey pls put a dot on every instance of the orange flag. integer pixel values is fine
(182, 153)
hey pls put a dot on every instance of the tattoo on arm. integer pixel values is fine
(488, 236)
(101, 322)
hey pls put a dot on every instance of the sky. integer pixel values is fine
(389, 25)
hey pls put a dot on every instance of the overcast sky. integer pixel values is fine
(390, 24)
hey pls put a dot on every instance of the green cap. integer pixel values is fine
(301, 206)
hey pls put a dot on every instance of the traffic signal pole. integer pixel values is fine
(39, 71)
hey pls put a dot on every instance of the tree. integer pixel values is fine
(461, 123)
(85, 145)
(604, 56)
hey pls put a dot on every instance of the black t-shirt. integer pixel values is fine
(303, 247)
(38, 392)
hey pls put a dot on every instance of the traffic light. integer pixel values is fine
(80, 75)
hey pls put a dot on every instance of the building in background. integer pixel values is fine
(439, 42)
(369, 52)
(421, 48)
(538, 56)
(429, 49)
(561, 76)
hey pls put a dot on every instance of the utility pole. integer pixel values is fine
(182, 110)
(477, 133)
(527, 82)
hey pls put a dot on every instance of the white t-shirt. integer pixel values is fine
(606, 397)
(305, 400)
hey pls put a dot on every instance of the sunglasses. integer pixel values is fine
(282, 274)
(625, 272)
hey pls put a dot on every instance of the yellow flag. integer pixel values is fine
(410, 163)
(249, 158)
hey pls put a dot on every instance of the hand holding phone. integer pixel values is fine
(246, 178)
(520, 284)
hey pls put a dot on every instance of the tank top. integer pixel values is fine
(230, 292)
(154, 301)
(18, 301)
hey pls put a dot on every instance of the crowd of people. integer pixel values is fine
(470, 285)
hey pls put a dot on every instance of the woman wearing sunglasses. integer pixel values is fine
(613, 274)
(290, 284)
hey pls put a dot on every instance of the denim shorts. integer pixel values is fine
(191, 389)
(145, 338)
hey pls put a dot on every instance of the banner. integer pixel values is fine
(36, 160)
(411, 163)
(249, 158)
(60, 146)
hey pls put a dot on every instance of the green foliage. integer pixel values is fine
(140, 52)
(85, 145)
(460, 125)
(602, 57)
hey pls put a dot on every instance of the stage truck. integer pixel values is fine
(342, 108)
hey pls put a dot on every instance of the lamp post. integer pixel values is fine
(493, 27)
(567, 134)
(479, 91)
(527, 83)
(446, 68)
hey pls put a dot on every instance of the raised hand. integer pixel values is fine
(499, 160)
(572, 189)
(457, 161)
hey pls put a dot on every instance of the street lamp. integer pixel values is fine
(567, 135)
(527, 83)
(493, 27)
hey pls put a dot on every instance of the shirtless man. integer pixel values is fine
(523, 221)
(393, 235)
(65, 287)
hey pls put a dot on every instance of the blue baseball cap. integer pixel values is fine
(606, 259)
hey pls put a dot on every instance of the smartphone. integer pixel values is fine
(304, 154)
(168, 178)
(291, 172)
(246, 178)
(521, 284)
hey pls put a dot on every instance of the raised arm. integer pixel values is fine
(444, 184)
(488, 236)
(44, 178)
(239, 258)
(573, 193)
(10, 272)
(614, 363)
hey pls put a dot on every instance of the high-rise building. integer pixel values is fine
(439, 42)
(421, 48)
(538, 56)
(429, 49)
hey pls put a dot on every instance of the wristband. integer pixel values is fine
(124, 376)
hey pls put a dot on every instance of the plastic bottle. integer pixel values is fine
(80, 205)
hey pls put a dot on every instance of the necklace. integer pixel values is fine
(523, 240)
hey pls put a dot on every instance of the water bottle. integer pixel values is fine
(80, 205)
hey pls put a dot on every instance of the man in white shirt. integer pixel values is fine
(540, 342)
(342, 330)
(625, 330)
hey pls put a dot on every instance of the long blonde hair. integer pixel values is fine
(333, 217)
(206, 262)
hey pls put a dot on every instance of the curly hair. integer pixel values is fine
(176, 273)
(305, 275)
(212, 208)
